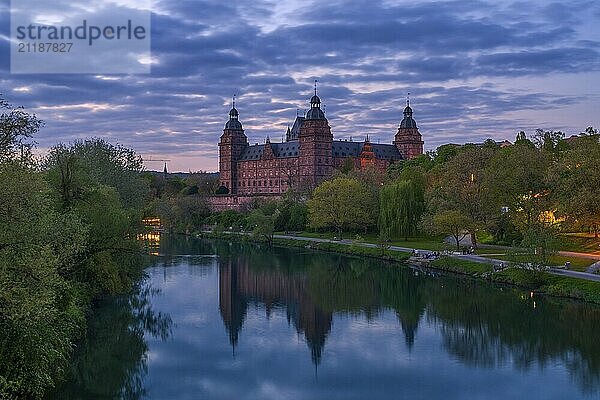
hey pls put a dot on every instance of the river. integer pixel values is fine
(226, 320)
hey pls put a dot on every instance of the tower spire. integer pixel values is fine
(408, 99)
(316, 87)
(233, 101)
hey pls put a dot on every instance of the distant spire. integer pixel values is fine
(367, 138)
(408, 100)
(316, 87)
(165, 172)
(268, 140)
(233, 101)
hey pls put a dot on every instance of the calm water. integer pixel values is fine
(220, 320)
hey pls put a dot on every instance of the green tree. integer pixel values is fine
(40, 311)
(576, 183)
(462, 184)
(400, 209)
(517, 179)
(451, 222)
(342, 204)
(263, 225)
(17, 128)
(97, 162)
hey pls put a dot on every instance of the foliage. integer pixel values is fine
(97, 162)
(451, 222)
(462, 184)
(17, 128)
(67, 236)
(518, 180)
(342, 204)
(40, 311)
(400, 207)
(576, 184)
(263, 225)
(540, 244)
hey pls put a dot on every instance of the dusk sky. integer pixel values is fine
(475, 69)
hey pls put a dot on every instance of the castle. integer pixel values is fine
(307, 157)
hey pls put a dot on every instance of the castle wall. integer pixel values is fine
(238, 202)
(272, 176)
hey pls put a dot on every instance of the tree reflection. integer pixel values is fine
(481, 325)
(111, 361)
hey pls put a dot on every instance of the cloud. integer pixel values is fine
(469, 65)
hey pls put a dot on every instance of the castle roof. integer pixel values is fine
(408, 121)
(340, 148)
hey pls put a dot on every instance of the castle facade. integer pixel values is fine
(308, 156)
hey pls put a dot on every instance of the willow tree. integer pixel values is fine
(400, 207)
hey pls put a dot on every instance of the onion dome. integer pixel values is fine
(315, 111)
(233, 122)
(408, 121)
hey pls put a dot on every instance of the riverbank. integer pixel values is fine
(552, 284)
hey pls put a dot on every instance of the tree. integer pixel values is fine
(462, 184)
(451, 222)
(400, 209)
(517, 179)
(263, 225)
(540, 243)
(550, 141)
(17, 128)
(521, 137)
(576, 183)
(97, 162)
(348, 165)
(342, 204)
(589, 131)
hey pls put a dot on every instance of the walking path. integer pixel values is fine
(470, 257)
(592, 269)
(466, 241)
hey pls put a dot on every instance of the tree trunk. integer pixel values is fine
(474, 240)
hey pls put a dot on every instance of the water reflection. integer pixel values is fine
(111, 362)
(374, 330)
(481, 325)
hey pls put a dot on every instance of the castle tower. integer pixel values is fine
(231, 146)
(316, 161)
(367, 155)
(408, 140)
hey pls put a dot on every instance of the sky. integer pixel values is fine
(475, 70)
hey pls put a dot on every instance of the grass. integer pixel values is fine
(461, 266)
(553, 285)
(577, 263)
(424, 243)
(580, 242)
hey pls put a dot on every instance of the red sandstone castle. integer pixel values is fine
(307, 157)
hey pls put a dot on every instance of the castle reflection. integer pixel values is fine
(240, 285)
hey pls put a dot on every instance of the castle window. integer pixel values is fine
(270, 183)
(259, 182)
